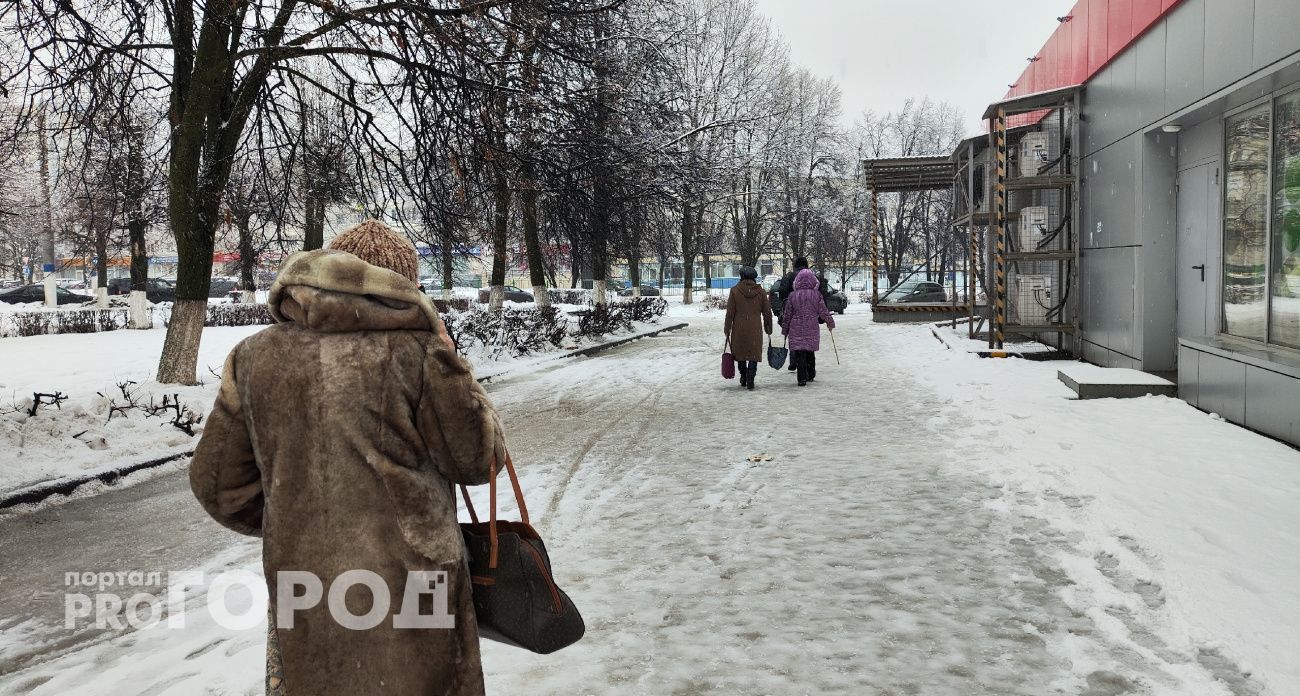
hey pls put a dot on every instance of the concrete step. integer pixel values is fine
(1092, 382)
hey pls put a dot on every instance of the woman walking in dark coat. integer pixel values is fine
(800, 322)
(749, 317)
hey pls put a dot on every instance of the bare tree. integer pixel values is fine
(222, 66)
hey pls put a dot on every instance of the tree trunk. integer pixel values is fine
(532, 241)
(575, 266)
(313, 229)
(137, 227)
(500, 237)
(634, 271)
(180, 354)
(448, 269)
(247, 260)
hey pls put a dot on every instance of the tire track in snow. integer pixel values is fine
(562, 487)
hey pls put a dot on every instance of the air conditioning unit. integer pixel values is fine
(1031, 299)
(1033, 227)
(1035, 152)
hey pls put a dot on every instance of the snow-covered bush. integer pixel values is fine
(225, 314)
(605, 319)
(713, 302)
(63, 321)
(567, 296)
(646, 308)
(515, 332)
(460, 304)
(238, 314)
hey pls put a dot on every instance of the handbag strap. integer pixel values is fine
(492, 509)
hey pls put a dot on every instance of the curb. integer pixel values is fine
(65, 486)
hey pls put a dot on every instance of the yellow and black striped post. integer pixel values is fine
(997, 332)
(875, 248)
(972, 268)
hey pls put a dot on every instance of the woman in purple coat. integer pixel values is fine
(800, 321)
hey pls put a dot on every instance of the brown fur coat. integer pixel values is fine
(335, 437)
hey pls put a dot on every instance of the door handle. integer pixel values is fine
(1200, 268)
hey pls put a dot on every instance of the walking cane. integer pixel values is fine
(834, 347)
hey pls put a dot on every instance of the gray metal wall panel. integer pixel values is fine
(1110, 188)
(1185, 55)
(1222, 387)
(1276, 33)
(1157, 225)
(1109, 273)
(1200, 143)
(1229, 42)
(1272, 402)
(1110, 103)
(1095, 99)
(1121, 303)
(1188, 374)
(1149, 90)
(1092, 282)
(1093, 353)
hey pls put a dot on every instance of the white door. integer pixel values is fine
(1198, 196)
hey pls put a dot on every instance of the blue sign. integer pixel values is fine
(48, 267)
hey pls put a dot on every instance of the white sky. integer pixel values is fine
(884, 51)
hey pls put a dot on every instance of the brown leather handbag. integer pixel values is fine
(515, 596)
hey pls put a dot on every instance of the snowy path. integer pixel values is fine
(876, 553)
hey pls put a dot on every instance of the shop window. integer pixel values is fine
(1284, 319)
(1245, 225)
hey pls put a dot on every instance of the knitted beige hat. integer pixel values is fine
(378, 245)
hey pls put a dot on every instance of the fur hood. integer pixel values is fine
(334, 291)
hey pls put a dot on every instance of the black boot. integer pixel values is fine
(753, 372)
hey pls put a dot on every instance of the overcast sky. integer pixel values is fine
(884, 51)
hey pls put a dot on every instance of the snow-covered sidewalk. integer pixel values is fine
(88, 369)
(929, 523)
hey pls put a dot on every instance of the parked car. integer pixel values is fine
(513, 294)
(36, 293)
(646, 291)
(155, 290)
(916, 291)
(837, 302)
(222, 287)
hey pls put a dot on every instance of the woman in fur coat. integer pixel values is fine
(336, 437)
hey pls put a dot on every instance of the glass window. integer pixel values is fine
(1245, 226)
(1284, 323)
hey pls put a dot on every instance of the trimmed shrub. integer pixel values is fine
(713, 302)
(607, 319)
(459, 304)
(567, 296)
(63, 321)
(646, 308)
(238, 314)
(515, 332)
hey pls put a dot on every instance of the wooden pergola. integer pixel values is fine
(899, 175)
